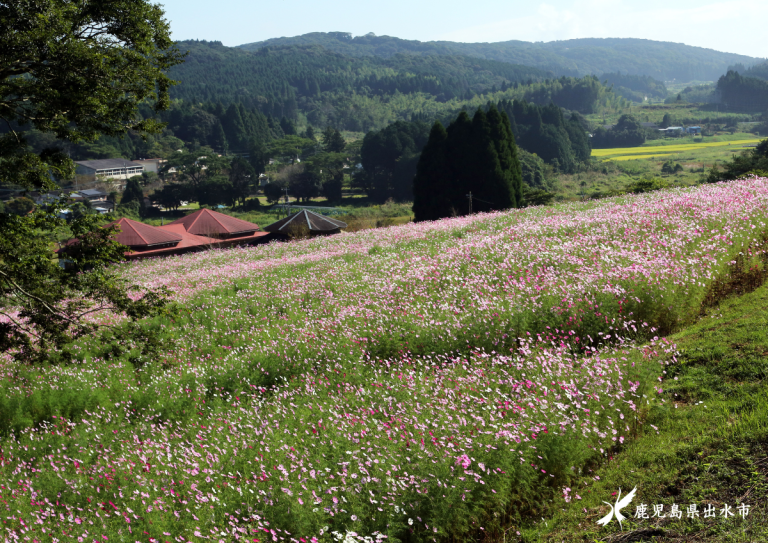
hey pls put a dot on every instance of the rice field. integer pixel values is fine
(635, 153)
(422, 382)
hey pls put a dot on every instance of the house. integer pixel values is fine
(650, 126)
(672, 130)
(92, 195)
(306, 220)
(111, 168)
(97, 198)
(183, 236)
(151, 164)
(695, 130)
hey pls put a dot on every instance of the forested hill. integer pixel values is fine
(661, 60)
(311, 84)
(215, 72)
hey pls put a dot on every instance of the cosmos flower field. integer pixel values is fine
(414, 383)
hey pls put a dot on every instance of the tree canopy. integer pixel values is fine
(75, 70)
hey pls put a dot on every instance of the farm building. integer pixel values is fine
(306, 221)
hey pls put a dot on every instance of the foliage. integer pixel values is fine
(664, 61)
(637, 88)
(647, 184)
(627, 132)
(20, 206)
(536, 197)
(73, 70)
(273, 192)
(473, 161)
(243, 178)
(741, 93)
(754, 161)
(333, 141)
(170, 195)
(132, 192)
(131, 57)
(389, 160)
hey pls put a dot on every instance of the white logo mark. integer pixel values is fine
(616, 510)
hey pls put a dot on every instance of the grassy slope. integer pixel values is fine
(710, 452)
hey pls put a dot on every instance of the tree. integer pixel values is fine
(75, 69)
(170, 196)
(329, 167)
(430, 194)
(273, 192)
(132, 192)
(476, 156)
(333, 141)
(242, 177)
(666, 121)
(78, 72)
(302, 182)
(20, 206)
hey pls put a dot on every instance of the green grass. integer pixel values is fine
(711, 445)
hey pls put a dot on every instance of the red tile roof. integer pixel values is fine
(136, 234)
(205, 222)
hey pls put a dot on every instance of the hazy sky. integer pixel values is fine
(735, 26)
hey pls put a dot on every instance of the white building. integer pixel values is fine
(109, 168)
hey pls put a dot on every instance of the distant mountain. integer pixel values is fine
(665, 61)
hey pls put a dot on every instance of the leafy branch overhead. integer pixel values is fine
(78, 70)
(75, 70)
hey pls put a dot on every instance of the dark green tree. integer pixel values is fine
(132, 192)
(476, 156)
(20, 206)
(333, 141)
(242, 178)
(273, 192)
(430, 190)
(170, 196)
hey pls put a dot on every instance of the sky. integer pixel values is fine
(734, 26)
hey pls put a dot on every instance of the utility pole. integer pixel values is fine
(469, 197)
(285, 190)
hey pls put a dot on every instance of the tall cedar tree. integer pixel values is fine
(430, 196)
(477, 156)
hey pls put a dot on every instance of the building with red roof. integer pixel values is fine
(184, 235)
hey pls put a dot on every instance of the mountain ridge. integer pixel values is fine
(665, 61)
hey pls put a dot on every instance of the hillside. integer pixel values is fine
(423, 383)
(309, 84)
(661, 60)
(214, 72)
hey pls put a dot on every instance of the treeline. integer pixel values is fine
(758, 71)
(662, 60)
(636, 87)
(627, 132)
(740, 93)
(542, 134)
(314, 86)
(282, 81)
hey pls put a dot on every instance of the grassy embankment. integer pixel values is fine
(710, 447)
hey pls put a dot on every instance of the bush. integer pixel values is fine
(647, 184)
